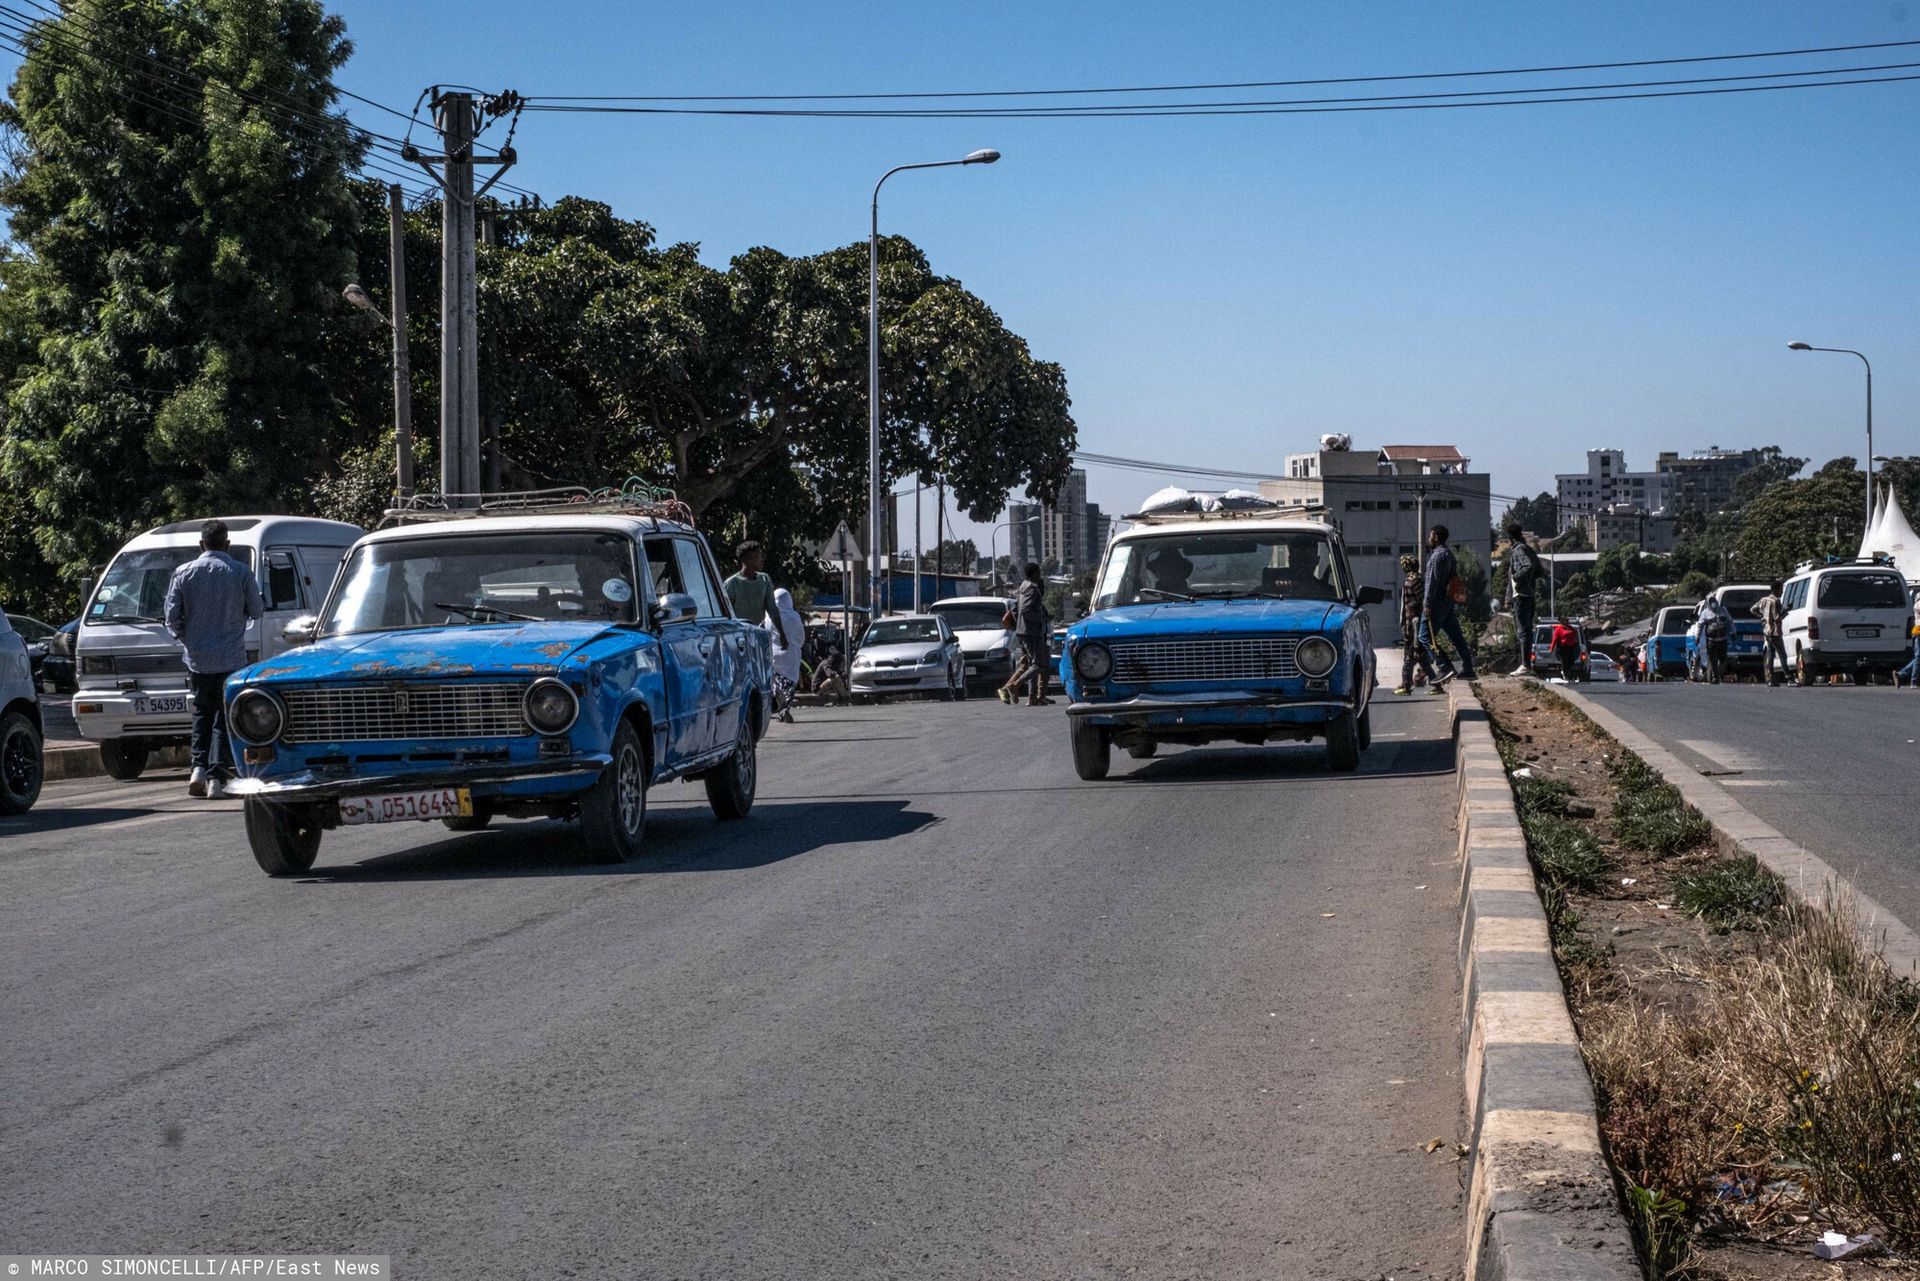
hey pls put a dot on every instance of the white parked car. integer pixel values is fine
(133, 691)
(1849, 616)
(1601, 668)
(987, 647)
(21, 766)
(909, 654)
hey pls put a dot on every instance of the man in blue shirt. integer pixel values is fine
(1440, 615)
(208, 604)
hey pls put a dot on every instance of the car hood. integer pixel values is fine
(908, 650)
(1246, 616)
(978, 641)
(519, 649)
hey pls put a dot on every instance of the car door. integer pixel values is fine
(683, 659)
(722, 645)
(283, 594)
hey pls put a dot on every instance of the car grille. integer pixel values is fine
(359, 713)
(1239, 658)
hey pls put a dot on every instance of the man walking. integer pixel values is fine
(209, 602)
(1773, 661)
(750, 592)
(1716, 630)
(1031, 621)
(1440, 611)
(1411, 650)
(1523, 577)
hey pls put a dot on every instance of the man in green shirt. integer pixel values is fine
(750, 592)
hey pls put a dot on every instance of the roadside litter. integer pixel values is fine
(1838, 1245)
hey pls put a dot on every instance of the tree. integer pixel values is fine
(1797, 520)
(1617, 567)
(1473, 572)
(186, 235)
(1773, 468)
(1539, 515)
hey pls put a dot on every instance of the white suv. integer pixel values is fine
(20, 761)
(1846, 617)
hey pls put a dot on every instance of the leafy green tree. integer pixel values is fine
(1796, 520)
(1617, 567)
(1473, 572)
(1773, 468)
(180, 194)
(1692, 587)
(1539, 515)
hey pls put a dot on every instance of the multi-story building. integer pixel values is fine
(1377, 497)
(1023, 534)
(1070, 534)
(1607, 485)
(1703, 480)
(1624, 523)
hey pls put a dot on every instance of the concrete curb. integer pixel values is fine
(1740, 832)
(1541, 1200)
(59, 763)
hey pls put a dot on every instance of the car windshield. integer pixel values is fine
(903, 631)
(1741, 600)
(1674, 622)
(973, 617)
(454, 580)
(30, 629)
(1863, 591)
(134, 588)
(1221, 564)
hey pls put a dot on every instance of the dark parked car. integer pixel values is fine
(57, 674)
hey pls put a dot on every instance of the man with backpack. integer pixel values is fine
(1716, 630)
(1523, 577)
(1442, 594)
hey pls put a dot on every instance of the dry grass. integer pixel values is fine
(1796, 1069)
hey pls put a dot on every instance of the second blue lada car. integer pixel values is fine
(1240, 626)
(557, 664)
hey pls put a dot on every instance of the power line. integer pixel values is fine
(1326, 106)
(1244, 84)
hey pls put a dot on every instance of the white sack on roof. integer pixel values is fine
(1175, 499)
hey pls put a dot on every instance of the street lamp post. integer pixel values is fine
(1848, 351)
(985, 156)
(993, 535)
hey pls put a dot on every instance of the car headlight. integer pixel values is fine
(933, 655)
(256, 716)
(551, 707)
(1094, 662)
(1316, 656)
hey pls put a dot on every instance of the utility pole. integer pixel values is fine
(397, 321)
(458, 119)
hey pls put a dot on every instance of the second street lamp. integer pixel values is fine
(1848, 351)
(985, 156)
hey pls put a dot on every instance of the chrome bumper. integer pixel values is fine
(319, 785)
(1144, 706)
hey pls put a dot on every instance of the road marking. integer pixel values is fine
(1750, 782)
(1725, 755)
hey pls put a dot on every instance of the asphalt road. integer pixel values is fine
(1835, 768)
(937, 1009)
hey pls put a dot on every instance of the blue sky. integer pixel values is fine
(1526, 283)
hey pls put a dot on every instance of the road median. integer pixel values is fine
(1541, 1199)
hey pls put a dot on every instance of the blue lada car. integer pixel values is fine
(1240, 626)
(553, 665)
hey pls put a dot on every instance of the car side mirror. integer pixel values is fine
(674, 607)
(1368, 594)
(86, 590)
(301, 630)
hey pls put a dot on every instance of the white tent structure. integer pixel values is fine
(1892, 535)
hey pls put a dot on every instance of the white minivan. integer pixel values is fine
(133, 692)
(1849, 616)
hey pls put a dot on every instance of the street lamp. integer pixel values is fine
(402, 390)
(993, 561)
(985, 156)
(1848, 351)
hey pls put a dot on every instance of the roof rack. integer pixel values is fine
(1278, 511)
(634, 498)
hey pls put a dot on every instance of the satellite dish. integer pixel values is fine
(1336, 441)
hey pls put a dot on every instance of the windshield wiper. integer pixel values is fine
(473, 611)
(1262, 593)
(128, 618)
(1155, 591)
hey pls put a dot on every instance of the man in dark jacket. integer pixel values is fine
(1031, 621)
(1440, 614)
(1523, 576)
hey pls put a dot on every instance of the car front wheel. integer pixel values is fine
(730, 785)
(285, 838)
(1092, 750)
(20, 764)
(1343, 744)
(613, 813)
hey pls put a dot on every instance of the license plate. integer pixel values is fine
(148, 705)
(402, 807)
(1863, 633)
(973, 669)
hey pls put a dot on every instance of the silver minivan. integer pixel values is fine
(133, 691)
